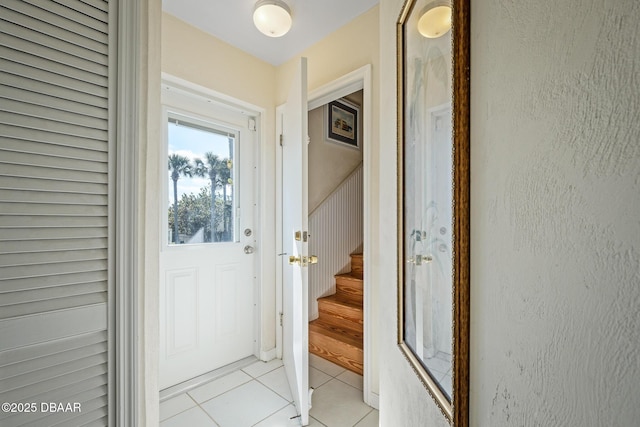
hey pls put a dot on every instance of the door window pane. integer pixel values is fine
(201, 173)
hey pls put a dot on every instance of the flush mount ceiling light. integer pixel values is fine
(435, 20)
(272, 17)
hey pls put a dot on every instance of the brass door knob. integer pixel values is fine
(294, 260)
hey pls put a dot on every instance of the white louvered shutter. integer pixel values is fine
(55, 222)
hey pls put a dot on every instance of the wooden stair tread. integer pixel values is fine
(340, 300)
(343, 333)
(337, 335)
(336, 308)
(349, 277)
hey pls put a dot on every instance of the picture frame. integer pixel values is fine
(434, 203)
(342, 123)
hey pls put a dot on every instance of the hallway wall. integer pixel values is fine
(555, 235)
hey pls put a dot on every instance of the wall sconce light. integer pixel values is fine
(435, 20)
(272, 17)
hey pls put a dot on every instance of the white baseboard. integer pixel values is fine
(268, 355)
(373, 400)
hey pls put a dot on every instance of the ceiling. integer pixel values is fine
(232, 21)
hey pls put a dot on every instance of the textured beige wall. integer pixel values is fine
(347, 49)
(556, 179)
(555, 231)
(200, 58)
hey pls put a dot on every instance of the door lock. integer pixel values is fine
(248, 249)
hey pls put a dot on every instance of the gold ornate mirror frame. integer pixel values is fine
(433, 238)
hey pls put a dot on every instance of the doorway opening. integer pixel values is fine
(359, 82)
(336, 285)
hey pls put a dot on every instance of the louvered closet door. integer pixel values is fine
(54, 210)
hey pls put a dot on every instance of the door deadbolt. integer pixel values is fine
(301, 236)
(247, 232)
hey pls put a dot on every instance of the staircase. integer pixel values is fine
(336, 335)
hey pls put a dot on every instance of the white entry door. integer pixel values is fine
(295, 242)
(207, 262)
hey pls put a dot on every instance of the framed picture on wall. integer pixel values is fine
(343, 123)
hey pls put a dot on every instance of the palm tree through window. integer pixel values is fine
(201, 182)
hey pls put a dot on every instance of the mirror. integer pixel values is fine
(433, 206)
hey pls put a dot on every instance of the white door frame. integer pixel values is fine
(127, 43)
(345, 85)
(261, 256)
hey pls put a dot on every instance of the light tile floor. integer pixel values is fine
(259, 396)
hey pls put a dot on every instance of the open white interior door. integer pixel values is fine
(295, 242)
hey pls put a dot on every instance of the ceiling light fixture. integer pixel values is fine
(435, 20)
(272, 17)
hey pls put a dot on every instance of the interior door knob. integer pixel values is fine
(248, 249)
(294, 260)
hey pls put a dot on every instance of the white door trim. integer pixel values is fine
(345, 85)
(279, 250)
(125, 97)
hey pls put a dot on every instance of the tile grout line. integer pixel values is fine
(335, 377)
(318, 421)
(225, 392)
(365, 416)
(272, 414)
(253, 378)
(264, 373)
(288, 402)
(197, 405)
(205, 412)
(278, 394)
(183, 411)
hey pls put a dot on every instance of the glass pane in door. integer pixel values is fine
(202, 176)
